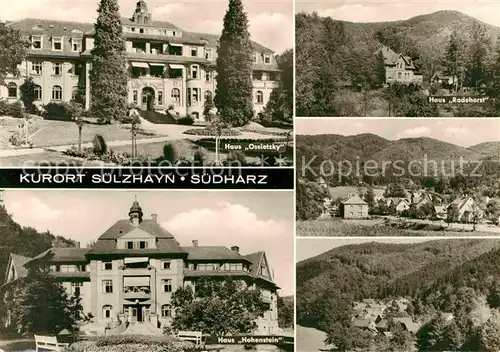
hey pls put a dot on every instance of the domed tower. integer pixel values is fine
(135, 213)
(141, 14)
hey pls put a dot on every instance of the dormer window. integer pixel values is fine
(36, 42)
(255, 58)
(132, 29)
(141, 30)
(143, 245)
(57, 44)
(76, 45)
(130, 245)
(267, 59)
(194, 51)
(174, 34)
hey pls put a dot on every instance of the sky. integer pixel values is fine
(310, 247)
(271, 23)
(378, 10)
(462, 132)
(253, 220)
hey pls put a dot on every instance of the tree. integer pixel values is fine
(208, 107)
(76, 114)
(493, 90)
(218, 307)
(396, 190)
(490, 338)
(348, 338)
(108, 77)
(479, 49)
(370, 197)
(234, 92)
(492, 211)
(13, 49)
(452, 214)
(80, 94)
(39, 304)
(285, 312)
(454, 60)
(28, 95)
(379, 72)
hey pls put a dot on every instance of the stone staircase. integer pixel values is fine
(142, 329)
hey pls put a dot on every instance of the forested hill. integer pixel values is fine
(25, 241)
(328, 284)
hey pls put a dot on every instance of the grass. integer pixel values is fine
(46, 158)
(54, 133)
(368, 228)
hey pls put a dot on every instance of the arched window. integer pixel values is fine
(260, 97)
(12, 90)
(38, 93)
(208, 94)
(56, 93)
(166, 311)
(176, 95)
(106, 311)
(273, 95)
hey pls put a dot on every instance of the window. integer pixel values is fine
(267, 59)
(166, 285)
(194, 51)
(208, 76)
(193, 96)
(255, 58)
(67, 268)
(176, 95)
(57, 44)
(36, 68)
(106, 311)
(166, 265)
(130, 245)
(263, 270)
(208, 54)
(141, 30)
(206, 267)
(107, 266)
(76, 287)
(160, 97)
(12, 90)
(143, 245)
(38, 93)
(57, 93)
(132, 29)
(166, 311)
(76, 45)
(135, 96)
(174, 34)
(260, 97)
(194, 72)
(36, 42)
(57, 68)
(107, 286)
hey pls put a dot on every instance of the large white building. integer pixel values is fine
(167, 65)
(136, 266)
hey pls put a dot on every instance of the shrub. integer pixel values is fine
(125, 343)
(236, 158)
(169, 153)
(199, 157)
(58, 111)
(16, 110)
(209, 131)
(188, 121)
(99, 146)
(28, 95)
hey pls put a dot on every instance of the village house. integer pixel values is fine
(136, 266)
(354, 208)
(399, 68)
(468, 209)
(168, 67)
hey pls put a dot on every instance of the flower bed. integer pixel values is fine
(267, 133)
(210, 131)
(126, 343)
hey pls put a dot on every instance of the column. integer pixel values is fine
(87, 85)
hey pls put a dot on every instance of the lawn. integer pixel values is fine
(41, 159)
(55, 133)
(368, 228)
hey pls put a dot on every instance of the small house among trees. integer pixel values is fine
(399, 68)
(354, 208)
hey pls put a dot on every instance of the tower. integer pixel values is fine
(141, 14)
(135, 213)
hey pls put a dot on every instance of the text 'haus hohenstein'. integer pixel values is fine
(136, 266)
(169, 68)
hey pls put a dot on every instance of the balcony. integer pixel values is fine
(137, 292)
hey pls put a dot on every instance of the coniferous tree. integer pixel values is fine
(479, 49)
(455, 58)
(379, 76)
(494, 87)
(233, 95)
(108, 77)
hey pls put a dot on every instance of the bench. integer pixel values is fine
(195, 337)
(49, 343)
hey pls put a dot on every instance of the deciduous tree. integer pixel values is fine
(13, 50)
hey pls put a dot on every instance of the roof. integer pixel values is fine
(213, 253)
(18, 261)
(390, 57)
(361, 323)
(409, 324)
(460, 201)
(163, 246)
(213, 40)
(55, 255)
(121, 227)
(50, 27)
(154, 23)
(355, 199)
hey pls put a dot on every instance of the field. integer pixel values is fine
(369, 228)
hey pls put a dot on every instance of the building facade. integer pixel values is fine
(136, 266)
(399, 68)
(169, 68)
(354, 208)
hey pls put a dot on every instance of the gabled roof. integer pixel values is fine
(163, 246)
(355, 199)
(158, 24)
(61, 255)
(409, 324)
(17, 262)
(460, 201)
(213, 40)
(213, 253)
(121, 227)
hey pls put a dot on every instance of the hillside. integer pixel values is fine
(24, 241)
(328, 283)
(487, 149)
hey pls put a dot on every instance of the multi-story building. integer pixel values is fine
(136, 266)
(399, 68)
(167, 66)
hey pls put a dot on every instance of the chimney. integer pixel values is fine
(195, 243)
(77, 244)
(154, 217)
(235, 249)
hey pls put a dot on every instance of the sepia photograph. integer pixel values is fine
(110, 271)
(146, 83)
(396, 59)
(398, 295)
(403, 177)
